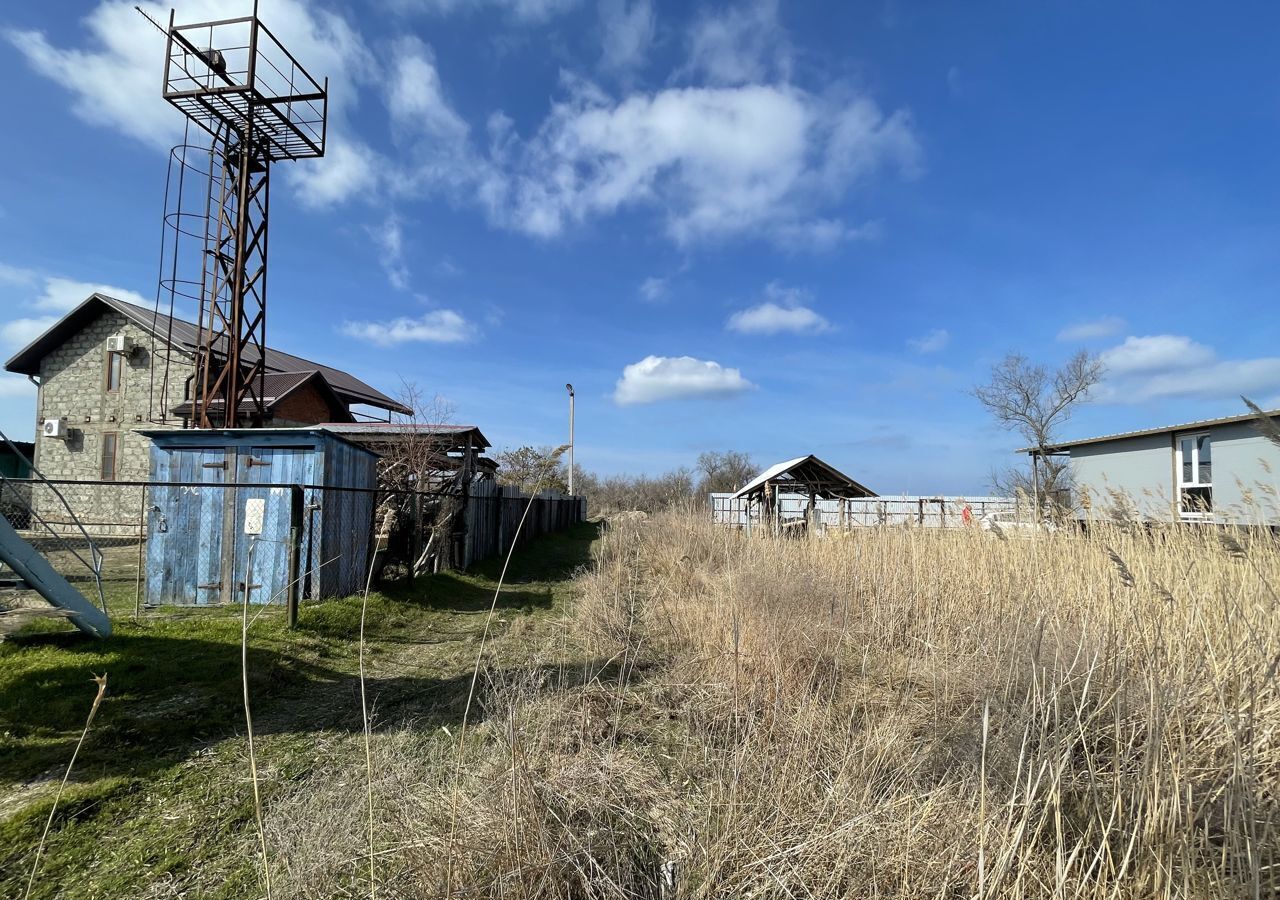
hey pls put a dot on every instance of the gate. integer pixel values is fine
(197, 522)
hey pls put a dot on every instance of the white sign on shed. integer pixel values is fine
(254, 511)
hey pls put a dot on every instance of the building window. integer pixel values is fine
(1194, 462)
(115, 370)
(110, 446)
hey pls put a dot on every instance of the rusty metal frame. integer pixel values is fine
(267, 108)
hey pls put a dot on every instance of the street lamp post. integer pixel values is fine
(569, 388)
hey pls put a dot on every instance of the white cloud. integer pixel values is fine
(64, 294)
(717, 162)
(389, 238)
(415, 95)
(654, 289)
(782, 311)
(20, 332)
(17, 275)
(770, 318)
(714, 162)
(349, 169)
(657, 378)
(440, 326)
(628, 32)
(733, 157)
(932, 342)
(821, 235)
(1092, 329)
(114, 78)
(742, 44)
(1168, 366)
(12, 385)
(525, 11)
(434, 141)
(55, 295)
(1155, 353)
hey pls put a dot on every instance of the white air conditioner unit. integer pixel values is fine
(55, 428)
(119, 343)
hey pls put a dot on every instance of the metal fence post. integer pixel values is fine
(142, 538)
(292, 588)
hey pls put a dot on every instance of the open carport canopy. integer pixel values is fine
(805, 475)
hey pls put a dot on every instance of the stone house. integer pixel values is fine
(103, 399)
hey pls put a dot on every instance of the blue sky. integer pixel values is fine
(779, 228)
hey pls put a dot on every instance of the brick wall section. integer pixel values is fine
(73, 384)
(307, 406)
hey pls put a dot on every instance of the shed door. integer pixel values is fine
(268, 507)
(185, 525)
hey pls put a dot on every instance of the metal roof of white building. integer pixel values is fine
(1144, 432)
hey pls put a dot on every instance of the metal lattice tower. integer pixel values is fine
(236, 81)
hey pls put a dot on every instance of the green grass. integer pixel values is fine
(159, 790)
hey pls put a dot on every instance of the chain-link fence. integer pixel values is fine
(40, 540)
(164, 543)
(928, 512)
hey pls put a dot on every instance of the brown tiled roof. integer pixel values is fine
(275, 387)
(185, 335)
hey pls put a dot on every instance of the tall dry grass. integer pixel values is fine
(889, 713)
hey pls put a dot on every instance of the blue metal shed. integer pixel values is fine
(212, 489)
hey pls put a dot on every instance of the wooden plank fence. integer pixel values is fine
(493, 515)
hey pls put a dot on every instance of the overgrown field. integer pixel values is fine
(160, 803)
(890, 713)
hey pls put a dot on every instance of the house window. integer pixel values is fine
(110, 446)
(115, 370)
(1194, 461)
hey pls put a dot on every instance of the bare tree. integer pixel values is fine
(421, 495)
(1034, 402)
(532, 468)
(411, 461)
(724, 471)
(623, 493)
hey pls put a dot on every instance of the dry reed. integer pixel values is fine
(101, 682)
(892, 712)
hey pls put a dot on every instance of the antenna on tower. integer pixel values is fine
(257, 105)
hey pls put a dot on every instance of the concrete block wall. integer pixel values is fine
(73, 384)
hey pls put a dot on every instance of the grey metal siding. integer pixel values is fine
(1137, 471)
(1243, 490)
(1141, 469)
(347, 516)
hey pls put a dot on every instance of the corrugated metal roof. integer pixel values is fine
(194, 436)
(768, 475)
(1145, 432)
(185, 335)
(785, 469)
(391, 429)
